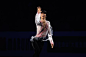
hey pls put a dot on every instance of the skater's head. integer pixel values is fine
(43, 15)
(39, 9)
(44, 12)
(43, 18)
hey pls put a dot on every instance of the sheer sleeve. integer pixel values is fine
(37, 20)
(50, 34)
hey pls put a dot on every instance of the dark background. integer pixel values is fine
(17, 25)
(63, 15)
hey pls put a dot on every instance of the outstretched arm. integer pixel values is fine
(36, 20)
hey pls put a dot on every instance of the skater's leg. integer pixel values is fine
(41, 44)
(36, 49)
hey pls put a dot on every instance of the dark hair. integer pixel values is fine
(43, 11)
(38, 7)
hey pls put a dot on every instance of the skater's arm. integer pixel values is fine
(37, 20)
(50, 36)
(50, 28)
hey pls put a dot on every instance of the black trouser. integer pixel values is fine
(37, 46)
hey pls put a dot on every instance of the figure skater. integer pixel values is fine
(37, 19)
(43, 30)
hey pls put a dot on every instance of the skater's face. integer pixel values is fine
(43, 16)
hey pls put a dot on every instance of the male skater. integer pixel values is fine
(37, 19)
(43, 31)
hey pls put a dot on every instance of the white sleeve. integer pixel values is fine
(36, 20)
(50, 27)
(50, 34)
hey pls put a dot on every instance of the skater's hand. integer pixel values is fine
(52, 45)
